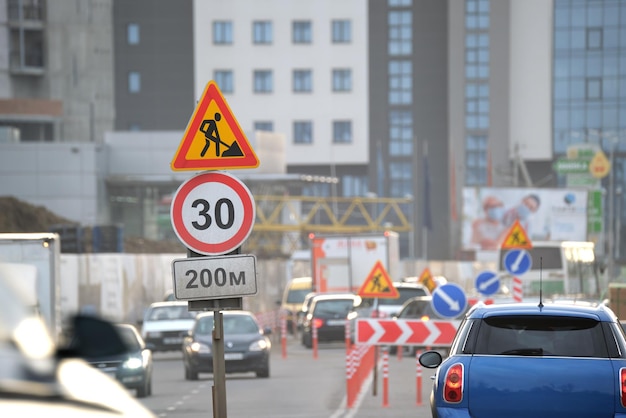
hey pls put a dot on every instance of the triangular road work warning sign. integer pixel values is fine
(427, 280)
(378, 284)
(213, 139)
(516, 238)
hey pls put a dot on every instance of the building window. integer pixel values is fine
(476, 14)
(264, 125)
(132, 33)
(401, 176)
(302, 81)
(222, 32)
(342, 79)
(224, 80)
(400, 3)
(342, 31)
(352, 185)
(476, 160)
(303, 132)
(262, 32)
(342, 132)
(263, 81)
(134, 82)
(302, 32)
(477, 56)
(400, 133)
(594, 38)
(400, 30)
(400, 82)
(594, 88)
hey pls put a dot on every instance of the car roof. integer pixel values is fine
(408, 284)
(225, 313)
(329, 296)
(416, 299)
(301, 279)
(169, 303)
(600, 312)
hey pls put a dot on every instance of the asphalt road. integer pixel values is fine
(300, 386)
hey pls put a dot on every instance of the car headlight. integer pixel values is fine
(154, 334)
(259, 345)
(200, 348)
(133, 363)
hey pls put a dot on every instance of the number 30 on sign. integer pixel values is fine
(213, 213)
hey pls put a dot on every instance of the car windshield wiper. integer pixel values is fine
(524, 351)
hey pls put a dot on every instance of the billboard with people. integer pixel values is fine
(545, 214)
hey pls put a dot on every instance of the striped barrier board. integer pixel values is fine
(377, 331)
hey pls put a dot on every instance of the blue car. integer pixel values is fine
(532, 360)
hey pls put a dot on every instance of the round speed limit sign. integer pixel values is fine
(213, 213)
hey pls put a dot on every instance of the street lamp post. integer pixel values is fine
(611, 226)
(412, 231)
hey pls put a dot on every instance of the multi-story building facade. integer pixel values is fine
(489, 93)
(56, 76)
(154, 64)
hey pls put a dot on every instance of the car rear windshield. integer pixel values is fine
(297, 295)
(168, 313)
(418, 309)
(333, 307)
(233, 324)
(541, 336)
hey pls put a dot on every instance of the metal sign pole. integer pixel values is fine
(219, 364)
(219, 367)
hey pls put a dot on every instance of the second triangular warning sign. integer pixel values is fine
(427, 280)
(378, 284)
(516, 238)
(213, 139)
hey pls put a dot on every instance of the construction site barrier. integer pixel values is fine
(359, 363)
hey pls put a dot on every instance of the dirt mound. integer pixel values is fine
(19, 216)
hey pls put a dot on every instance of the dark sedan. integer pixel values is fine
(133, 369)
(328, 314)
(246, 345)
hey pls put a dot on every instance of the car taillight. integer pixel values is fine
(453, 384)
(317, 322)
(622, 381)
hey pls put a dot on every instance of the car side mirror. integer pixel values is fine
(267, 331)
(430, 359)
(91, 336)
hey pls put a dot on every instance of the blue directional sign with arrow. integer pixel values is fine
(517, 261)
(487, 282)
(449, 300)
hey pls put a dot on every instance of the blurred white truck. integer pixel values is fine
(341, 263)
(36, 258)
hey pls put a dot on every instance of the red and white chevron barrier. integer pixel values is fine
(377, 331)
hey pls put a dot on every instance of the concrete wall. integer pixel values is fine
(121, 286)
(65, 178)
